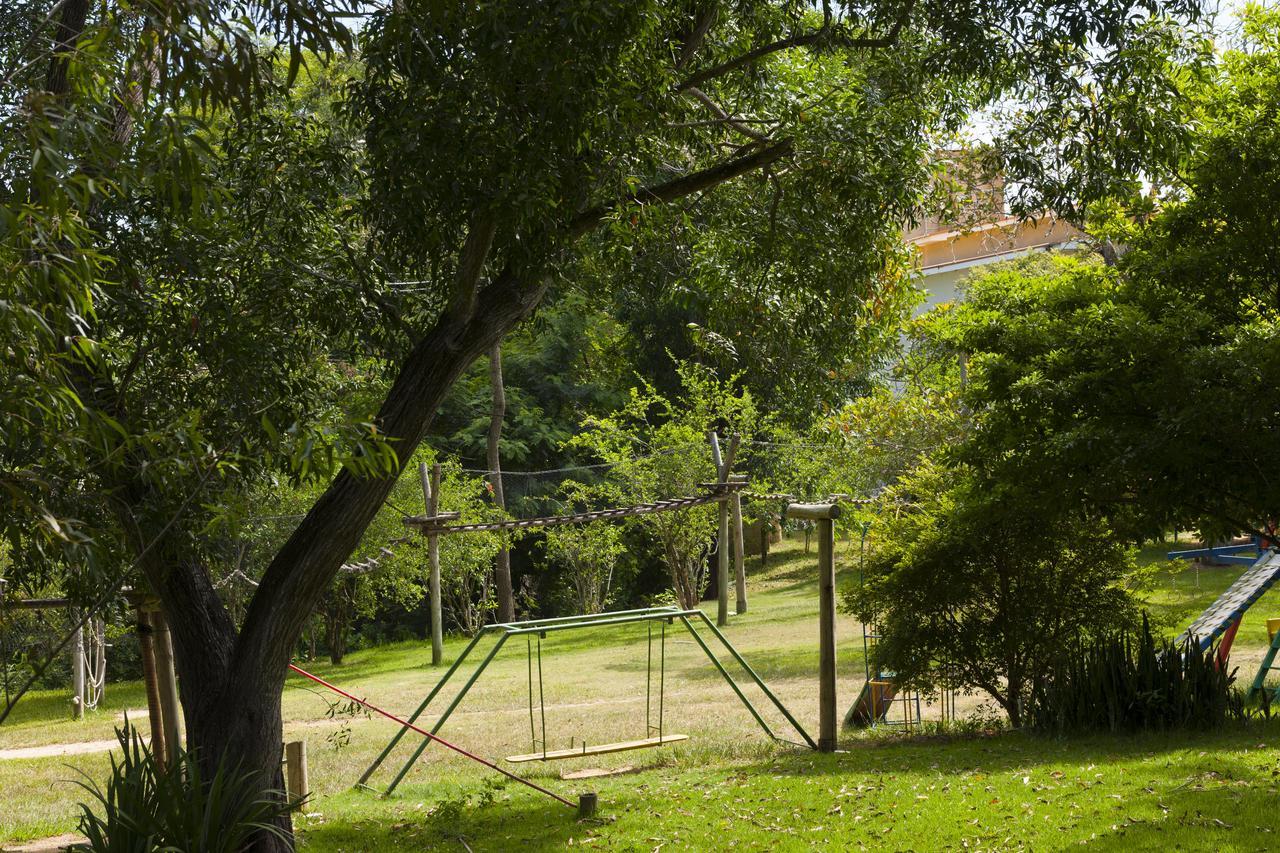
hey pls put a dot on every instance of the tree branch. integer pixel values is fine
(723, 115)
(475, 251)
(695, 38)
(800, 40)
(683, 186)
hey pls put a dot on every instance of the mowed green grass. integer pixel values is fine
(729, 784)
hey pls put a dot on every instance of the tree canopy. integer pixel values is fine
(206, 269)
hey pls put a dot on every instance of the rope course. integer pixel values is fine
(432, 526)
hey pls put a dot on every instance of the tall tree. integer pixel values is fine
(188, 290)
(502, 564)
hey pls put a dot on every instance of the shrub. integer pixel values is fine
(147, 807)
(1126, 682)
(972, 587)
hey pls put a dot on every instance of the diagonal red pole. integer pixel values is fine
(411, 727)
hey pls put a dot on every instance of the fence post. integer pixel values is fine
(296, 779)
(724, 464)
(824, 515)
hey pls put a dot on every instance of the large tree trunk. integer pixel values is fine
(231, 684)
(502, 565)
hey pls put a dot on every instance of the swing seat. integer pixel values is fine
(599, 749)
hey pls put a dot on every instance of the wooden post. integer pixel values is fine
(766, 525)
(155, 716)
(739, 560)
(297, 782)
(167, 683)
(77, 674)
(824, 515)
(724, 464)
(431, 497)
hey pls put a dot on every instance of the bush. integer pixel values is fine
(972, 587)
(1125, 683)
(147, 807)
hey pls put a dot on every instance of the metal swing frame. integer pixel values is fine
(542, 627)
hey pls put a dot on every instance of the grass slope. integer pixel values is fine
(729, 784)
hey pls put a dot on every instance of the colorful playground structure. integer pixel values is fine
(1221, 620)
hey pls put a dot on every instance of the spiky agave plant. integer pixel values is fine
(1135, 682)
(146, 807)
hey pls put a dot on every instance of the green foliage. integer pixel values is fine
(1148, 389)
(146, 807)
(970, 587)
(1126, 682)
(657, 449)
(589, 553)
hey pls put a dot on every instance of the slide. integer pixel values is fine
(873, 703)
(1220, 616)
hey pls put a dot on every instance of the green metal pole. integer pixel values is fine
(395, 739)
(725, 674)
(621, 620)
(756, 678)
(457, 700)
(588, 618)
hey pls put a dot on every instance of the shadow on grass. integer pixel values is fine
(513, 823)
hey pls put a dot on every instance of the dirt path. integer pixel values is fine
(45, 845)
(54, 750)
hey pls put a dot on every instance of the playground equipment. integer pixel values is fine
(407, 725)
(88, 650)
(654, 734)
(880, 688)
(539, 628)
(1222, 618)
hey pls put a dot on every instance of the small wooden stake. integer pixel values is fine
(587, 804)
(296, 778)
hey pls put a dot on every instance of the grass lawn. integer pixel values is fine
(728, 784)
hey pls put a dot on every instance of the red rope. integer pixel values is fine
(408, 725)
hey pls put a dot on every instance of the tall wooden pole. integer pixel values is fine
(724, 464)
(739, 556)
(155, 715)
(431, 497)
(77, 674)
(824, 515)
(167, 682)
(502, 563)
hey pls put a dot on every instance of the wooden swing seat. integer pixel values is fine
(599, 749)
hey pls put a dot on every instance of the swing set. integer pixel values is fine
(654, 734)
(535, 631)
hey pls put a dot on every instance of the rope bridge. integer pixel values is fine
(433, 526)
